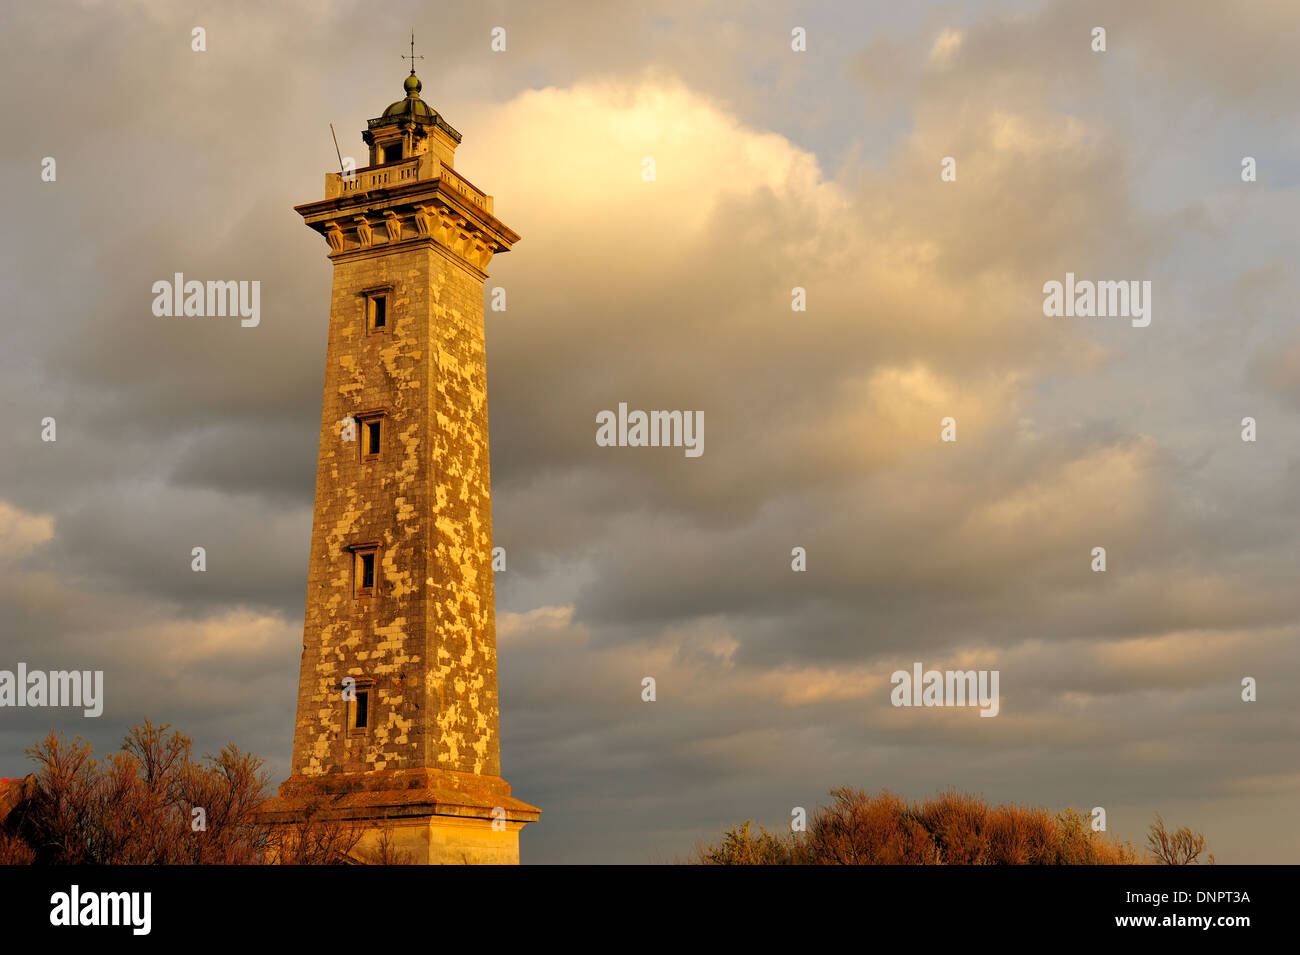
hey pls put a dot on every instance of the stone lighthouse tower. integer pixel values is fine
(397, 697)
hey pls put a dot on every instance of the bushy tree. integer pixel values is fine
(741, 847)
(152, 803)
(952, 828)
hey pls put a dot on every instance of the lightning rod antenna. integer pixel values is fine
(336, 149)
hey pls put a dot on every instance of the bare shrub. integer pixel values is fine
(315, 839)
(952, 828)
(1182, 847)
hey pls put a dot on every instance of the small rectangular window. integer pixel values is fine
(365, 568)
(356, 716)
(375, 307)
(371, 424)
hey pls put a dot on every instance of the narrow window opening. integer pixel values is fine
(356, 716)
(372, 434)
(378, 312)
(364, 570)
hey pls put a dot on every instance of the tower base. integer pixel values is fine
(417, 817)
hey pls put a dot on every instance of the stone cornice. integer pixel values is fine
(395, 793)
(426, 209)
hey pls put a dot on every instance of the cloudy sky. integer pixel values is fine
(775, 169)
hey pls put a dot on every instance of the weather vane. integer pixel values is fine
(412, 57)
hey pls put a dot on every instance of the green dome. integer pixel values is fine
(412, 107)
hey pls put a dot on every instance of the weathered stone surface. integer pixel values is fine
(423, 644)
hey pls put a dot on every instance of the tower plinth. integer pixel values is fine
(397, 722)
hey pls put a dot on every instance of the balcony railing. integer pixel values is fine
(402, 172)
(374, 177)
(467, 189)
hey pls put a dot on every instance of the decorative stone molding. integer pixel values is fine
(335, 236)
(364, 233)
(349, 223)
(394, 225)
(425, 219)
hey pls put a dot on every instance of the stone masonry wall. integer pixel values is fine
(427, 637)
